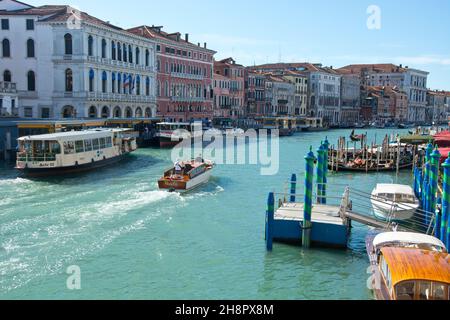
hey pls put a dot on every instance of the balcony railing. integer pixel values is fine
(8, 87)
(106, 61)
(187, 99)
(187, 76)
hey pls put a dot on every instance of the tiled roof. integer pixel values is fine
(303, 67)
(152, 33)
(381, 68)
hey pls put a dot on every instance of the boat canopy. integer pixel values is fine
(73, 135)
(416, 139)
(393, 189)
(416, 264)
(407, 237)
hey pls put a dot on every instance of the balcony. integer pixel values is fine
(104, 61)
(8, 87)
(187, 99)
(187, 76)
(113, 97)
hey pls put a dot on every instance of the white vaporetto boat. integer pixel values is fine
(394, 202)
(74, 151)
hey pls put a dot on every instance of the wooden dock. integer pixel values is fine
(329, 229)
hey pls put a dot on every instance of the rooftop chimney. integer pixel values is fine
(204, 45)
(198, 44)
(186, 37)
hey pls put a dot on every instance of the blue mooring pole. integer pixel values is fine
(326, 147)
(320, 174)
(270, 216)
(434, 180)
(307, 212)
(293, 187)
(445, 219)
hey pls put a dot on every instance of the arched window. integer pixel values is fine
(113, 50)
(91, 80)
(130, 54)
(104, 81)
(119, 51)
(105, 112)
(68, 112)
(138, 112)
(148, 113)
(7, 76)
(138, 56)
(30, 48)
(119, 83)
(68, 44)
(103, 48)
(129, 113)
(92, 112)
(31, 83)
(6, 48)
(147, 86)
(69, 80)
(138, 85)
(113, 82)
(124, 52)
(147, 58)
(117, 112)
(90, 46)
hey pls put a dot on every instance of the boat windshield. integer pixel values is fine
(398, 198)
(422, 290)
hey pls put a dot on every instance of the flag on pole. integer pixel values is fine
(126, 81)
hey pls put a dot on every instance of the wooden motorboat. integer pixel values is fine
(193, 174)
(394, 202)
(411, 274)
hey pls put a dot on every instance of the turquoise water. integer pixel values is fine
(132, 241)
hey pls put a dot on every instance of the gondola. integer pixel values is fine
(356, 138)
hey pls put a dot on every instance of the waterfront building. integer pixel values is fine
(69, 64)
(185, 75)
(235, 73)
(255, 93)
(222, 97)
(300, 81)
(324, 88)
(437, 107)
(388, 104)
(279, 97)
(350, 98)
(412, 81)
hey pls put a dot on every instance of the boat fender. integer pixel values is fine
(76, 163)
(92, 160)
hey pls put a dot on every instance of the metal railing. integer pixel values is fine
(36, 158)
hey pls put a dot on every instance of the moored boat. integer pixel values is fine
(186, 176)
(73, 151)
(171, 134)
(411, 274)
(394, 202)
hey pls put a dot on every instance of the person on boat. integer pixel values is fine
(178, 167)
(199, 159)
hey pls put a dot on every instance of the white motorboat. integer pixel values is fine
(394, 202)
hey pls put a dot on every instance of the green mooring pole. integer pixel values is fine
(320, 174)
(326, 147)
(307, 212)
(434, 180)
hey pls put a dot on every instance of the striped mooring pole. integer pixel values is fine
(445, 221)
(270, 217)
(307, 212)
(426, 182)
(320, 173)
(326, 148)
(293, 187)
(434, 180)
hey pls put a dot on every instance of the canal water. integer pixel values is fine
(132, 241)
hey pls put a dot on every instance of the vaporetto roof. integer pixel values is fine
(73, 135)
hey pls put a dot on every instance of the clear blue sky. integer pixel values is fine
(415, 33)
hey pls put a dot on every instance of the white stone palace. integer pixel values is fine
(66, 63)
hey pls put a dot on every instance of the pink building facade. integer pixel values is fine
(184, 76)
